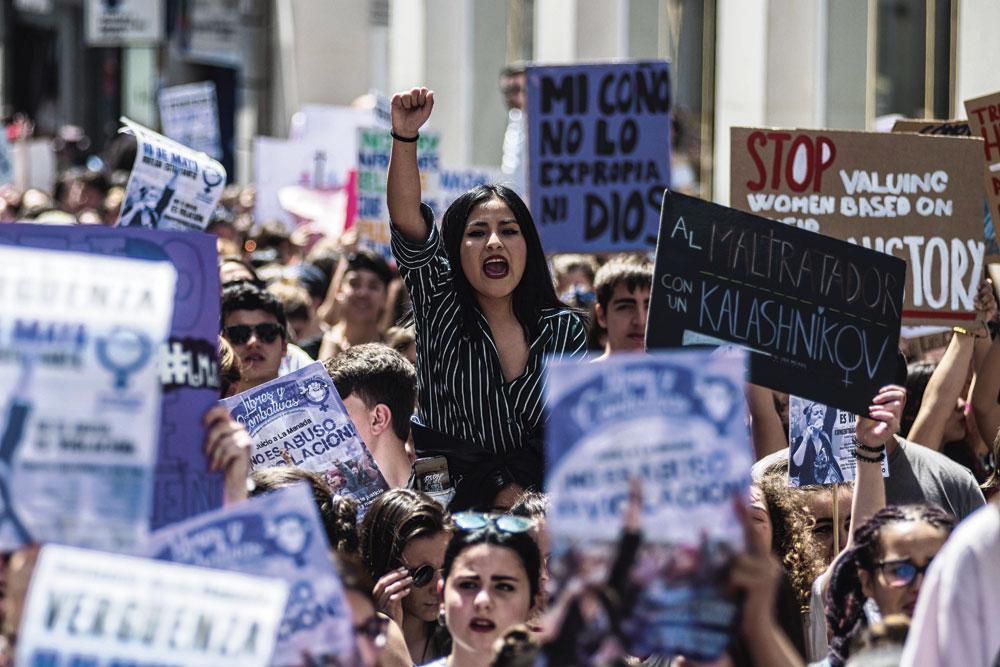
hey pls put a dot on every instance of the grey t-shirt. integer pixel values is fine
(918, 474)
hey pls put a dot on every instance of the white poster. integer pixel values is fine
(189, 114)
(171, 186)
(80, 395)
(821, 443)
(213, 31)
(124, 22)
(102, 610)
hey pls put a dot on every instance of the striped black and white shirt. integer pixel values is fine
(461, 390)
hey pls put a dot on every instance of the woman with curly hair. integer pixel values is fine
(882, 572)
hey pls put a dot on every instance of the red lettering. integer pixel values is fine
(979, 113)
(996, 185)
(821, 164)
(994, 144)
(779, 141)
(757, 137)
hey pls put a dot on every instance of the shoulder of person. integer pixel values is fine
(566, 314)
(927, 457)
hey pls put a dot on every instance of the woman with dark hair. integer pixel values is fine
(882, 572)
(489, 583)
(486, 314)
(403, 538)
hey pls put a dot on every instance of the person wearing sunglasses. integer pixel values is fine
(253, 321)
(882, 572)
(403, 540)
(489, 583)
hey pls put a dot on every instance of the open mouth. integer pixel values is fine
(496, 267)
(252, 357)
(482, 625)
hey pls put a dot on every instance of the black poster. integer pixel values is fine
(819, 316)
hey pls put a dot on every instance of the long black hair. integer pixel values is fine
(844, 598)
(536, 291)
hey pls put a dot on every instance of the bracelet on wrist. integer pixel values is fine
(405, 140)
(869, 459)
(873, 450)
(965, 332)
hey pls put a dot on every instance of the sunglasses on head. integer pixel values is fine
(267, 332)
(505, 523)
(374, 629)
(901, 573)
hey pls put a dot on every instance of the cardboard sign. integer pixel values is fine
(675, 421)
(915, 197)
(820, 316)
(189, 367)
(213, 32)
(821, 444)
(275, 535)
(599, 154)
(80, 395)
(171, 185)
(124, 22)
(374, 148)
(107, 610)
(984, 121)
(298, 419)
(189, 115)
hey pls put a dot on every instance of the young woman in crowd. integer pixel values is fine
(882, 572)
(489, 583)
(403, 540)
(486, 314)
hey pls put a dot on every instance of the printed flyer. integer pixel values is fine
(298, 419)
(275, 535)
(108, 610)
(189, 115)
(171, 186)
(80, 395)
(675, 424)
(822, 444)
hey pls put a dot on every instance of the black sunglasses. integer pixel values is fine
(901, 573)
(374, 629)
(266, 332)
(423, 575)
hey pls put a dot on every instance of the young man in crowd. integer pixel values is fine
(253, 322)
(355, 303)
(622, 287)
(379, 389)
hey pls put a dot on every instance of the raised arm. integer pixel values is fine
(766, 431)
(943, 390)
(410, 110)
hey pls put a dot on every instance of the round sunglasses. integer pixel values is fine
(505, 523)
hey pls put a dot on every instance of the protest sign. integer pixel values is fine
(212, 31)
(276, 535)
(189, 115)
(676, 422)
(820, 316)
(821, 444)
(171, 186)
(124, 22)
(912, 196)
(80, 394)
(34, 163)
(298, 419)
(189, 369)
(374, 147)
(108, 610)
(984, 122)
(451, 184)
(598, 154)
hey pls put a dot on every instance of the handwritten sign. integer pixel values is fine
(676, 421)
(171, 185)
(276, 535)
(189, 115)
(101, 609)
(374, 146)
(984, 122)
(189, 367)
(80, 394)
(599, 154)
(299, 419)
(913, 196)
(124, 22)
(820, 316)
(451, 184)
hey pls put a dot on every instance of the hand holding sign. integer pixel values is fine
(884, 416)
(410, 110)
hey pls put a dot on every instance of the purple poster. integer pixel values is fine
(188, 363)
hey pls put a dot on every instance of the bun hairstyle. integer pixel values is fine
(393, 520)
(522, 544)
(844, 599)
(536, 291)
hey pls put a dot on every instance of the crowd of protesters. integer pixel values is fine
(439, 354)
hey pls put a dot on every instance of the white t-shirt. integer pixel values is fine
(957, 619)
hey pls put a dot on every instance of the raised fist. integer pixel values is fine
(410, 110)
